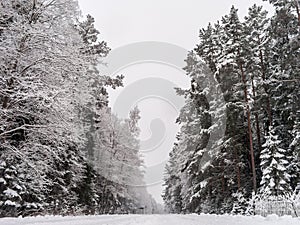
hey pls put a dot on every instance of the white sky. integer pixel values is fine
(123, 22)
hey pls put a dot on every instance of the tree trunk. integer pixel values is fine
(249, 126)
(256, 120)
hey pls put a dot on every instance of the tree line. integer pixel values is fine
(255, 64)
(62, 151)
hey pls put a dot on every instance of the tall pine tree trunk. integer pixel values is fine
(249, 126)
(256, 120)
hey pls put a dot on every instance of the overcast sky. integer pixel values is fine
(177, 22)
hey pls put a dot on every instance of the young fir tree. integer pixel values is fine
(240, 203)
(275, 180)
(10, 191)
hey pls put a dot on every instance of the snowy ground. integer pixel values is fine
(153, 220)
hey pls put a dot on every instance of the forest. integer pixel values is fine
(64, 152)
(253, 163)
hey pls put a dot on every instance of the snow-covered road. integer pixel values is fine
(152, 220)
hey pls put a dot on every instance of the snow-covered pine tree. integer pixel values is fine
(255, 25)
(10, 190)
(234, 81)
(195, 119)
(88, 201)
(275, 180)
(284, 78)
(295, 148)
(188, 178)
(213, 184)
(240, 203)
(172, 184)
(251, 62)
(258, 39)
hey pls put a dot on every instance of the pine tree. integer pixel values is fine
(256, 66)
(274, 162)
(10, 191)
(86, 190)
(240, 204)
(172, 192)
(295, 149)
(256, 63)
(284, 78)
